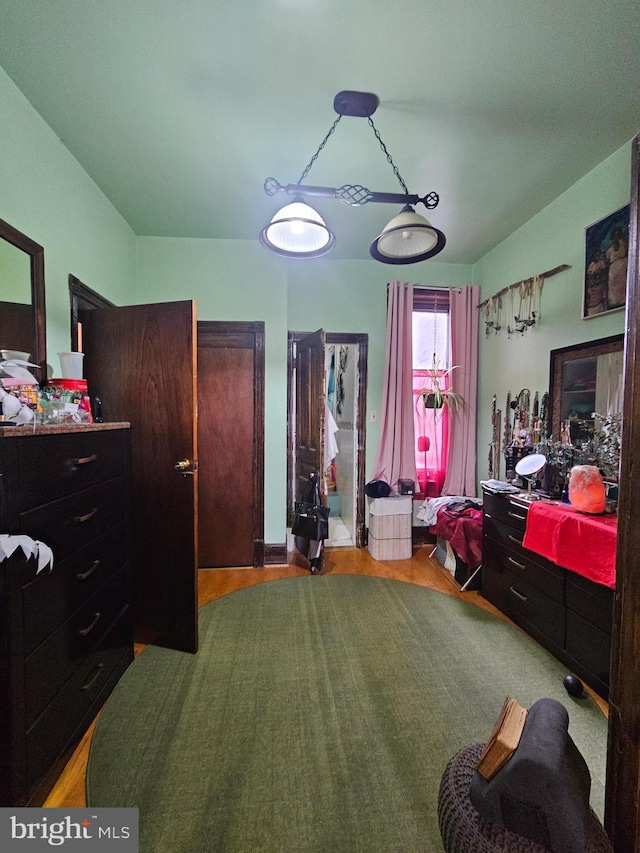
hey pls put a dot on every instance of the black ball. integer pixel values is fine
(573, 685)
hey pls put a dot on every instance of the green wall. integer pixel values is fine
(47, 195)
(239, 280)
(554, 236)
(233, 280)
(351, 296)
(50, 198)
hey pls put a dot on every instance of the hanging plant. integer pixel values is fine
(436, 396)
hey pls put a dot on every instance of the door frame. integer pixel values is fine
(622, 805)
(247, 335)
(82, 298)
(338, 338)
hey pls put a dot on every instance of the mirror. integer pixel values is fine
(22, 301)
(584, 378)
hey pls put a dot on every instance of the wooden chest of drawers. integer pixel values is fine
(568, 614)
(65, 634)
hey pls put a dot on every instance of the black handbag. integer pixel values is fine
(310, 521)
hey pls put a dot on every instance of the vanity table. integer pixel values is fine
(65, 633)
(569, 613)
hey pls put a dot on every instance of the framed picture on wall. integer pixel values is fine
(605, 264)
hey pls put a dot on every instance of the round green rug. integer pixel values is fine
(318, 715)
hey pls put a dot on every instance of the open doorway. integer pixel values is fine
(345, 383)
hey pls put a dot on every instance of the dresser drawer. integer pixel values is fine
(49, 666)
(51, 597)
(506, 510)
(591, 601)
(65, 716)
(590, 646)
(539, 572)
(526, 603)
(50, 467)
(71, 523)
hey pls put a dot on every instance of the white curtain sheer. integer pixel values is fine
(461, 463)
(395, 459)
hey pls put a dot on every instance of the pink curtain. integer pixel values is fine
(432, 425)
(461, 463)
(395, 457)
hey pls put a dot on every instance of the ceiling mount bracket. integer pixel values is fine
(358, 104)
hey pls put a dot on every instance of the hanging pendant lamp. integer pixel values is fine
(407, 239)
(298, 231)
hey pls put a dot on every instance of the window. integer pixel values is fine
(431, 352)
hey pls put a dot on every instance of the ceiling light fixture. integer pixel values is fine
(298, 231)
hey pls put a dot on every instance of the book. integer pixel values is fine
(504, 738)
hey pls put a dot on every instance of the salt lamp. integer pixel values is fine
(586, 489)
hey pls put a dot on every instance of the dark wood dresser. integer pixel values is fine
(65, 634)
(568, 614)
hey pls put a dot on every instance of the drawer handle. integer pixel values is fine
(518, 595)
(84, 631)
(85, 460)
(517, 565)
(92, 677)
(513, 539)
(82, 576)
(515, 515)
(82, 518)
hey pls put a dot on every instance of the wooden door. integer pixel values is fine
(140, 361)
(231, 444)
(309, 409)
(622, 804)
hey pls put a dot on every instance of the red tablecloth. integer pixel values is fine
(463, 533)
(585, 544)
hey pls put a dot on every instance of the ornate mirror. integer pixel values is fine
(22, 301)
(584, 378)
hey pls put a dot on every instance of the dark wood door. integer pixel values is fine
(309, 409)
(231, 444)
(622, 806)
(140, 361)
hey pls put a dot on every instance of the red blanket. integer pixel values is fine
(585, 544)
(463, 533)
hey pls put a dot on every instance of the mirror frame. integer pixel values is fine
(559, 357)
(36, 253)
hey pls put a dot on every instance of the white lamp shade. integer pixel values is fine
(297, 231)
(407, 239)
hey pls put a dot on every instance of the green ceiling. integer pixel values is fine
(180, 110)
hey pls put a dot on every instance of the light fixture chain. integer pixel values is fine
(320, 147)
(388, 156)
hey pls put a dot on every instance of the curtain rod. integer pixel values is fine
(546, 274)
(435, 287)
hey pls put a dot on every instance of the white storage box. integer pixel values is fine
(390, 526)
(390, 521)
(390, 549)
(398, 505)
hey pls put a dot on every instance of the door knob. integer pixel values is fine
(186, 466)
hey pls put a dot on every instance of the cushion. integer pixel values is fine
(542, 792)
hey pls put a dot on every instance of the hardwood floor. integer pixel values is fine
(69, 790)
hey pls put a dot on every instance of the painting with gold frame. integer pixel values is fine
(605, 267)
